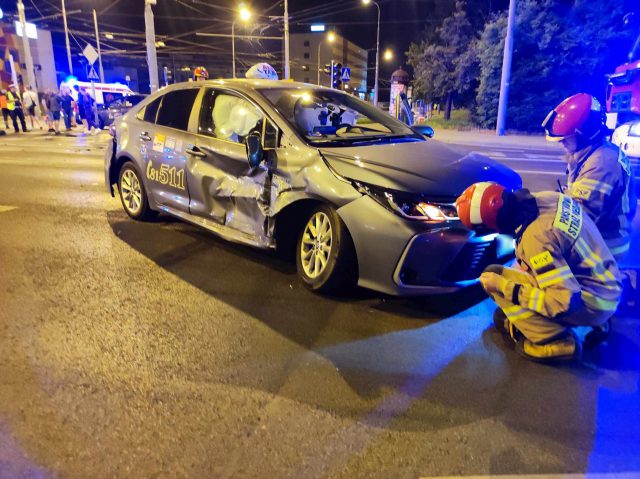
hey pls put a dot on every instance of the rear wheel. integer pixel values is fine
(325, 255)
(132, 193)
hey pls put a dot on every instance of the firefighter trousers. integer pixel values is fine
(535, 327)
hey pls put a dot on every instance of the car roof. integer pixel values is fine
(249, 84)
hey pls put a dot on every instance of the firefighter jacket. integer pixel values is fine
(601, 179)
(569, 261)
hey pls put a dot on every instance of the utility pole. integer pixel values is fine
(506, 71)
(66, 36)
(29, 78)
(286, 40)
(152, 59)
(95, 23)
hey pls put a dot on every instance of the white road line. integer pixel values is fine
(543, 155)
(533, 172)
(495, 153)
(525, 160)
(4, 209)
(586, 475)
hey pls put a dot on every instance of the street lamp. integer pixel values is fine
(244, 15)
(375, 91)
(388, 55)
(331, 37)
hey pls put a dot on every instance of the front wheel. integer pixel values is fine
(132, 193)
(325, 255)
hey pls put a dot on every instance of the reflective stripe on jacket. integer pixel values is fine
(569, 260)
(601, 179)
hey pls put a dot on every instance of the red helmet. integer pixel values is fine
(579, 114)
(201, 72)
(479, 205)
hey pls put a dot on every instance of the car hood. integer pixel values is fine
(425, 167)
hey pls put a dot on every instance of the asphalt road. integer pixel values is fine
(156, 350)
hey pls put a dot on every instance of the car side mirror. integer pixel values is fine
(424, 130)
(255, 153)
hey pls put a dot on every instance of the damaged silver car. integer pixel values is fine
(354, 194)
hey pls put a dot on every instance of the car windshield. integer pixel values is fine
(332, 118)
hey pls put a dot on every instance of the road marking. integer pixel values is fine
(529, 160)
(533, 172)
(495, 153)
(585, 475)
(544, 155)
(4, 209)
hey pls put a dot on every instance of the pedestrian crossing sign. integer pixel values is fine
(92, 74)
(346, 74)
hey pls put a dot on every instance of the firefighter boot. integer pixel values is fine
(504, 326)
(597, 335)
(564, 349)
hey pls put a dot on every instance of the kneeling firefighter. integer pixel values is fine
(566, 278)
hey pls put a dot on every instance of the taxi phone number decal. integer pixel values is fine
(166, 175)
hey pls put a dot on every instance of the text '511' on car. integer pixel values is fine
(356, 195)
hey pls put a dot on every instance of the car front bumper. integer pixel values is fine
(414, 258)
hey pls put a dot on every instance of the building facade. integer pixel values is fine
(13, 56)
(310, 52)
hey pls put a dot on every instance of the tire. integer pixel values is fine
(339, 269)
(133, 194)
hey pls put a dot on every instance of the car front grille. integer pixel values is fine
(471, 261)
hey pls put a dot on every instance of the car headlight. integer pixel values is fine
(634, 129)
(409, 206)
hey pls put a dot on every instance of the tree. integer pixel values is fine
(561, 47)
(445, 66)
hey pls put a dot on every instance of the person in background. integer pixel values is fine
(14, 104)
(80, 107)
(600, 176)
(67, 107)
(54, 107)
(45, 109)
(31, 101)
(5, 111)
(88, 104)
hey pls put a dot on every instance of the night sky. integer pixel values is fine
(403, 21)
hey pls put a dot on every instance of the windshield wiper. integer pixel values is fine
(364, 140)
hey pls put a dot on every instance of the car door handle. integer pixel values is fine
(196, 152)
(144, 136)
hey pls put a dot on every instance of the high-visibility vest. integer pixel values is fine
(11, 100)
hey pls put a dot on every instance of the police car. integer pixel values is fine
(354, 194)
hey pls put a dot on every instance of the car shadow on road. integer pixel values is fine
(425, 364)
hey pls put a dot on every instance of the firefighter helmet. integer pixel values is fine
(479, 205)
(262, 71)
(200, 73)
(579, 114)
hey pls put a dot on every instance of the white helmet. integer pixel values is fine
(262, 71)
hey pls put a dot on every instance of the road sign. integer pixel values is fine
(346, 74)
(90, 54)
(92, 74)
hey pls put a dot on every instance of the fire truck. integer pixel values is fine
(623, 98)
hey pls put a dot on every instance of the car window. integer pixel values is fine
(176, 107)
(149, 112)
(333, 118)
(227, 116)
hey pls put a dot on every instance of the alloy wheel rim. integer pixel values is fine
(315, 248)
(131, 192)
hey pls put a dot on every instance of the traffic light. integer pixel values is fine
(327, 68)
(337, 76)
